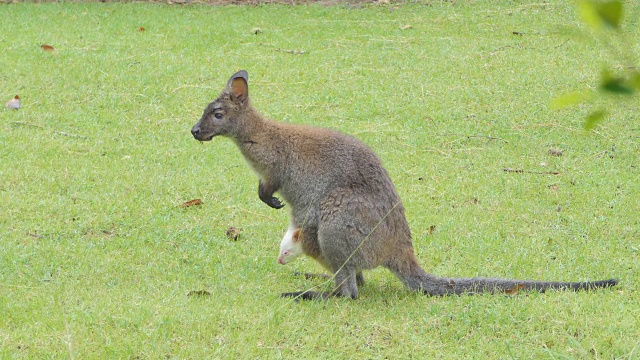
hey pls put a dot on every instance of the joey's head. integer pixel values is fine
(223, 116)
(290, 247)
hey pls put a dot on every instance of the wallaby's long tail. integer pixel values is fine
(407, 269)
(434, 285)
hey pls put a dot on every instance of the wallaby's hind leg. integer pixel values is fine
(346, 283)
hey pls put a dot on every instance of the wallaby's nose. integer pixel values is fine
(195, 131)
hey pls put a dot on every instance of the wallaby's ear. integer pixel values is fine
(296, 236)
(238, 85)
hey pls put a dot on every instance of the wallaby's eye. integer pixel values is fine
(286, 252)
(218, 115)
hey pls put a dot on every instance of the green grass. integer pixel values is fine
(97, 258)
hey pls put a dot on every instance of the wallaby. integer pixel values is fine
(349, 212)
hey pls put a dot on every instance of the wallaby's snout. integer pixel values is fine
(195, 130)
(200, 135)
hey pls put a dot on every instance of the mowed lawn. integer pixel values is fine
(99, 260)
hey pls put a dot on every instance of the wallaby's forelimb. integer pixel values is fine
(265, 193)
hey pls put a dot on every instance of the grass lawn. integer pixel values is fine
(98, 259)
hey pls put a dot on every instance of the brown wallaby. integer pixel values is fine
(351, 216)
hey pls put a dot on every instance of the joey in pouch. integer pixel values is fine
(340, 197)
(292, 246)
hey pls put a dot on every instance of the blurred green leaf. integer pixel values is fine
(610, 12)
(589, 14)
(569, 99)
(635, 80)
(614, 84)
(597, 13)
(594, 118)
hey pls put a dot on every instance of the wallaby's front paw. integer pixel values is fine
(275, 203)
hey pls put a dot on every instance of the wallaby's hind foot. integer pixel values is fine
(306, 295)
(309, 276)
(312, 295)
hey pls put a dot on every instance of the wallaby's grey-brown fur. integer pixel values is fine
(341, 196)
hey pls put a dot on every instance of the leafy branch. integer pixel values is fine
(604, 18)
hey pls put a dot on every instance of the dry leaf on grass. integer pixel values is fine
(555, 152)
(521, 171)
(46, 47)
(233, 233)
(199, 293)
(191, 203)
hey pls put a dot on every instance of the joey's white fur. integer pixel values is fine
(290, 246)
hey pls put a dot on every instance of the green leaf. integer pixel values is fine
(593, 119)
(614, 84)
(569, 99)
(634, 80)
(589, 14)
(610, 13)
(596, 14)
